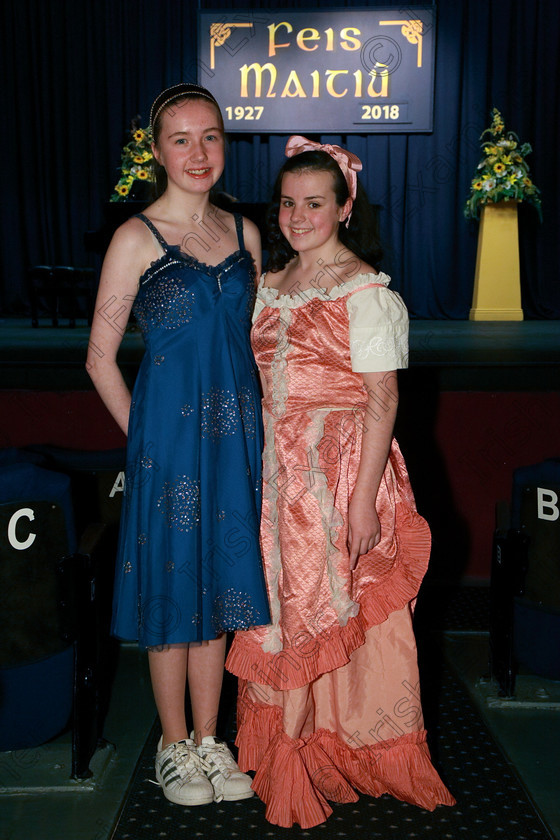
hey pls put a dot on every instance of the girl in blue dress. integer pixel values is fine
(188, 566)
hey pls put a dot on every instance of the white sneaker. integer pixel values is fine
(228, 781)
(181, 772)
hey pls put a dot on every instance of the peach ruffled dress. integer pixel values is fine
(329, 693)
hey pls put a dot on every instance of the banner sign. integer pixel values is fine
(335, 72)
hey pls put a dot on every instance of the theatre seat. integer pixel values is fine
(97, 478)
(525, 581)
(49, 663)
(61, 291)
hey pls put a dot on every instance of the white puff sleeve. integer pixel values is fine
(378, 330)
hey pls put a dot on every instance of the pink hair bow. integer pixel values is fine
(348, 162)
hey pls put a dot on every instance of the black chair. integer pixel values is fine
(49, 619)
(97, 486)
(525, 579)
(61, 291)
(40, 287)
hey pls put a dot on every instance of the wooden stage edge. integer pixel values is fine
(459, 355)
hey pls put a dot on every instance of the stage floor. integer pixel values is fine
(462, 355)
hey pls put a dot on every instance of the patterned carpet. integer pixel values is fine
(490, 800)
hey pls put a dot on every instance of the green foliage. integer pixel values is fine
(502, 174)
(136, 159)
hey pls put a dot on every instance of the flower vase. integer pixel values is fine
(497, 288)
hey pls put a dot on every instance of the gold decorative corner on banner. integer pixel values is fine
(219, 33)
(412, 31)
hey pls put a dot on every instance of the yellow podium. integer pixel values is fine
(497, 289)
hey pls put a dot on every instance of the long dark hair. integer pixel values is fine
(359, 237)
(176, 95)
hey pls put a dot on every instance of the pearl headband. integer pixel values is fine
(174, 92)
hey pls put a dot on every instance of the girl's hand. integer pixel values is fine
(364, 530)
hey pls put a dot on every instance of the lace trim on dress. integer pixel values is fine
(272, 641)
(331, 520)
(380, 346)
(280, 375)
(272, 297)
(174, 253)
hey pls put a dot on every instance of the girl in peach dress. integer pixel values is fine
(329, 693)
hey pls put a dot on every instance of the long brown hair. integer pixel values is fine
(359, 237)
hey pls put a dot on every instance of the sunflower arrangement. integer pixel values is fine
(502, 174)
(136, 158)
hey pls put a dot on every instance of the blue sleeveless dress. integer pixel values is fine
(189, 565)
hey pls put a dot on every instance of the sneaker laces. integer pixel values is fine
(188, 761)
(219, 754)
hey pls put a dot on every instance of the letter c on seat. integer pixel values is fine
(12, 537)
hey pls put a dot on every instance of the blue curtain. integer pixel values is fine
(76, 73)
